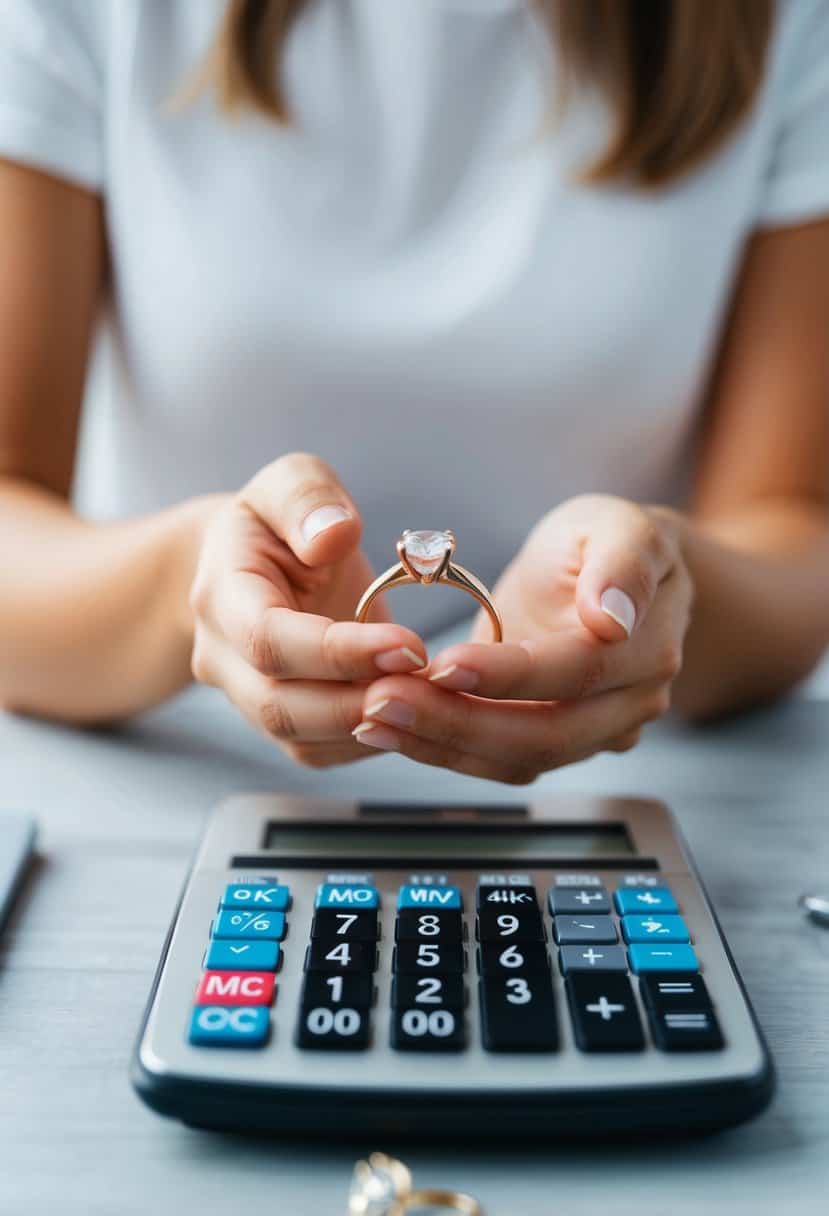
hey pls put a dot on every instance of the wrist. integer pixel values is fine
(188, 524)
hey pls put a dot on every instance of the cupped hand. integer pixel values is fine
(279, 574)
(596, 606)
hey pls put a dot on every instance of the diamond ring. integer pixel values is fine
(426, 557)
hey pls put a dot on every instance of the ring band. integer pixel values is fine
(426, 557)
(431, 1197)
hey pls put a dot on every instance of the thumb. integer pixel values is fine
(624, 559)
(302, 501)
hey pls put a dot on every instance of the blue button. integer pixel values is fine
(346, 895)
(242, 956)
(265, 926)
(234, 1026)
(662, 958)
(256, 895)
(430, 897)
(645, 899)
(655, 928)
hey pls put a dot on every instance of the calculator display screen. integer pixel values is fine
(381, 841)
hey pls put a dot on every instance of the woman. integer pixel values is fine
(552, 275)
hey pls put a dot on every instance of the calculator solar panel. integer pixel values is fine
(542, 969)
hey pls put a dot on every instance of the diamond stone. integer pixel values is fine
(426, 550)
(372, 1191)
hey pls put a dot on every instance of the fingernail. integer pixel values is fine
(620, 608)
(401, 659)
(320, 519)
(376, 736)
(459, 679)
(397, 713)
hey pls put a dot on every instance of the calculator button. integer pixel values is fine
(421, 1029)
(264, 926)
(498, 924)
(499, 958)
(654, 928)
(242, 956)
(592, 958)
(346, 896)
(336, 957)
(341, 1027)
(518, 1013)
(506, 897)
(644, 899)
(572, 930)
(430, 897)
(345, 926)
(662, 958)
(235, 988)
(256, 895)
(686, 1029)
(674, 991)
(604, 1013)
(424, 958)
(428, 991)
(414, 925)
(217, 1026)
(355, 990)
(578, 899)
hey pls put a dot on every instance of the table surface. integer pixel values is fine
(120, 813)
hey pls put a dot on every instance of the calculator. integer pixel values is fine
(542, 969)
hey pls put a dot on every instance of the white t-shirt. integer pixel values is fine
(407, 281)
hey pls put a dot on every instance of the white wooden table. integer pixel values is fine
(120, 813)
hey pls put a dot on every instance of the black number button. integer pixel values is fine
(518, 1013)
(604, 1013)
(425, 958)
(414, 925)
(341, 1027)
(507, 897)
(417, 1028)
(356, 990)
(502, 958)
(336, 957)
(345, 926)
(497, 924)
(428, 992)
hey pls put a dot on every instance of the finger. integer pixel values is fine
(303, 502)
(625, 557)
(569, 665)
(414, 717)
(296, 713)
(284, 643)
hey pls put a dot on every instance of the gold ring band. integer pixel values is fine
(426, 557)
(432, 1197)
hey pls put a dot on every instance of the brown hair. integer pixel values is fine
(679, 75)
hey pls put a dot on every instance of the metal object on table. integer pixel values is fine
(382, 1186)
(816, 908)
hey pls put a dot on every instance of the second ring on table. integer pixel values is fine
(426, 557)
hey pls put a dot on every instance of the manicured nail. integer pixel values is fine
(401, 659)
(320, 519)
(459, 679)
(396, 713)
(374, 735)
(620, 608)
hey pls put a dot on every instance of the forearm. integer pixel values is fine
(94, 620)
(760, 619)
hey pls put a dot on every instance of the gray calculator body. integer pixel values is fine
(571, 842)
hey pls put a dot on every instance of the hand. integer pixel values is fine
(278, 578)
(595, 608)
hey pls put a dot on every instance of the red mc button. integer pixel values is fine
(235, 988)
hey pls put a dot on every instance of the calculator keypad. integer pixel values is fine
(608, 948)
